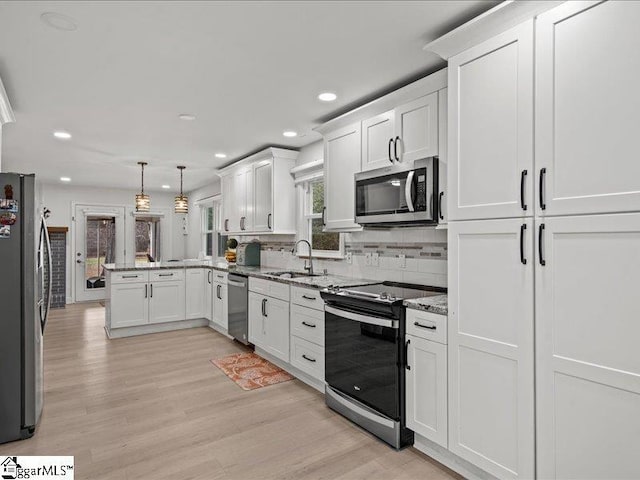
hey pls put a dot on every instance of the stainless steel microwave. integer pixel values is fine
(398, 194)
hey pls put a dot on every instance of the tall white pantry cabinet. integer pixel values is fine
(545, 247)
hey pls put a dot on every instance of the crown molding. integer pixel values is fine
(6, 112)
(489, 24)
(269, 152)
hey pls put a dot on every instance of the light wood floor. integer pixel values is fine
(154, 407)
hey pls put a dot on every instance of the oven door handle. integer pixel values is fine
(356, 317)
(407, 190)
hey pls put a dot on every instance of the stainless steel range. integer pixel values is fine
(365, 355)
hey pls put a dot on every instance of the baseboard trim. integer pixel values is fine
(154, 328)
(449, 459)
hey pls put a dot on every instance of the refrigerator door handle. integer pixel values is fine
(46, 302)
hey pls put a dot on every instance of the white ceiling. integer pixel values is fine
(247, 70)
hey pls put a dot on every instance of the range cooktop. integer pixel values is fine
(387, 292)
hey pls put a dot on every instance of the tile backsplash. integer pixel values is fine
(411, 255)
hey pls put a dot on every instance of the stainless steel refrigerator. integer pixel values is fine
(25, 293)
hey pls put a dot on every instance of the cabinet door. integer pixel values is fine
(587, 99)
(443, 198)
(491, 127)
(208, 294)
(129, 304)
(195, 280)
(263, 196)
(166, 302)
(229, 212)
(491, 383)
(377, 141)
(416, 129)
(587, 356)
(220, 313)
(341, 162)
(257, 326)
(427, 389)
(276, 319)
(240, 202)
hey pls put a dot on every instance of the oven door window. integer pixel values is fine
(361, 360)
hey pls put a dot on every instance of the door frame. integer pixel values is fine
(108, 209)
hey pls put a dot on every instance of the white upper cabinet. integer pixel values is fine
(587, 100)
(405, 134)
(263, 196)
(416, 129)
(341, 162)
(443, 196)
(490, 147)
(491, 338)
(587, 356)
(258, 192)
(377, 141)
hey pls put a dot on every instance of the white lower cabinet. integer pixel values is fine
(269, 324)
(307, 332)
(426, 388)
(208, 294)
(195, 296)
(588, 361)
(490, 345)
(166, 301)
(308, 357)
(220, 315)
(129, 304)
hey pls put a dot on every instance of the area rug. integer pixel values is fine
(250, 371)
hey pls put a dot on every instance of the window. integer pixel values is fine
(213, 244)
(147, 240)
(323, 244)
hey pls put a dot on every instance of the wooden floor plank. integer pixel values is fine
(154, 407)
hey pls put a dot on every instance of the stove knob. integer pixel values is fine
(384, 295)
(392, 297)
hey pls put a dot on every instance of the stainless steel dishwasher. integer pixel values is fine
(238, 293)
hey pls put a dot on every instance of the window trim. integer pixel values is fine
(307, 216)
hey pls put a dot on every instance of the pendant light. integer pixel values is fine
(181, 201)
(142, 200)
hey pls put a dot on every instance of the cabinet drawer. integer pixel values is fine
(308, 324)
(219, 277)
(166, 275)
(307, 297)
(269, 288)
(427, 325)
(129, 277)
(308, 357)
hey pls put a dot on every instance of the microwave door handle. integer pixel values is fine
(407, 190)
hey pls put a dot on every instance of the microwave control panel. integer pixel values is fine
(420, 200)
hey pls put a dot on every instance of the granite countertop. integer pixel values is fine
(435, 304)
(319, 282)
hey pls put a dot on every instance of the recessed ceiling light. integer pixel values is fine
(65, 179)
(290, 133)
(59, 21)
(62, 135)
(166, 187)
(221, 155)
(186, 116)
(327, 97)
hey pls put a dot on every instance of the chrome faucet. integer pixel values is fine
(310, 267)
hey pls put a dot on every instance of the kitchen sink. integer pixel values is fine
(292, 274)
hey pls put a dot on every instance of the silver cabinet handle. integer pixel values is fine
(429, 327)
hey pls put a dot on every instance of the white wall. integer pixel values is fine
(193, 243)
(59, 199)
